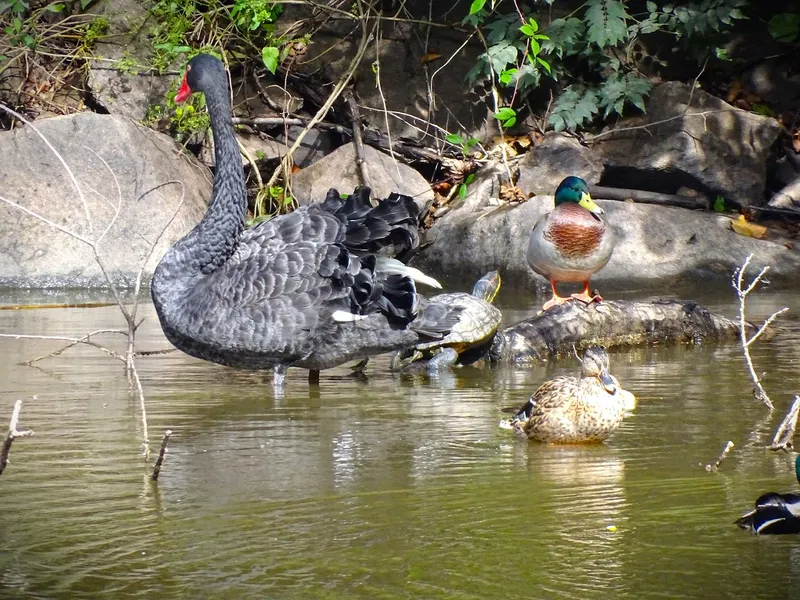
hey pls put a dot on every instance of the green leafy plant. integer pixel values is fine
(465, 145)
(462, 187)
(507, 116)
(785, 27)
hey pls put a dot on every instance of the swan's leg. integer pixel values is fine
(360, 369)
(313, 376)
(279, 375)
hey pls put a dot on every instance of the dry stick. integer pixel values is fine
(742, 292)
(86, 339)
(284, 166)
(728, 447)
(130, 316)
(160, 460)
(358, 141)
(785, 433)
(12, 435)
(383, 98)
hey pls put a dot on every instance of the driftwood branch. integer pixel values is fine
(742, 291)
(13, 434)
(161, 453)
(725, 451)
(784, 436)
(644, 197)
(610, 323)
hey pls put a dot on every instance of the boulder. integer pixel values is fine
(655, 244)
(114, 73)
(559, 155)
(707, 145)
(102, 151)
(339, 170)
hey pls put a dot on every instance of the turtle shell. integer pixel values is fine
(477, 321)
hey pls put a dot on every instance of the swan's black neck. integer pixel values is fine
(216, 237)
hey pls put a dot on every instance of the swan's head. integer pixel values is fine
(203, 72)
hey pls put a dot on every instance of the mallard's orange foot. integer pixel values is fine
(587, 298)
(554, 301)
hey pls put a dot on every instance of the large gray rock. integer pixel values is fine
(117, 76)
(34, 254)
(654, 244)
(559, 155)
(339, 170)
(708, 144)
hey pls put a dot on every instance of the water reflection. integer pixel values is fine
(403, 486)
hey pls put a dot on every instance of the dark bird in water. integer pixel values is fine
(304, 289)
(774, 513)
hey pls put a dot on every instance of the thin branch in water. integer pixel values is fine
(64, 164)
(161, 453)
(725, 451)
(13, 434)
(785, 433)
(742, 291)
(72, 342)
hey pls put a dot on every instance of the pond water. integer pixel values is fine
(403, 487)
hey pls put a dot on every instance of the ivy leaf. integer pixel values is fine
(505, 113)
(607, 22)
(651, 7)
(784, 27)
(476, 6)
(269, 54)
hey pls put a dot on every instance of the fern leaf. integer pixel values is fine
(607, 22)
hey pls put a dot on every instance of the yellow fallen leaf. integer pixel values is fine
(743, 227)
(431, 56)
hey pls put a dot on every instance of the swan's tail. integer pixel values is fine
(393, 222)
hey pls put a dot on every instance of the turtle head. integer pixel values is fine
(487, 286)
(574, 189)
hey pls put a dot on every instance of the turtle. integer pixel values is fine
(471, 336)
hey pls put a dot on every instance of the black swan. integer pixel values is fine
(304, 289)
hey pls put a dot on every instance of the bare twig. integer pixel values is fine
(13, 433)
(725, 451)
(358, 142)
(340, 86)
(742, 292)
(784, 436)
(161, 453)
(72, 342)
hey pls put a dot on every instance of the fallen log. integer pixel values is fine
(608, 193)
(608, 323)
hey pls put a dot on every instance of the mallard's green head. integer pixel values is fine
(487, 286)
(797, 468)
(595, 364)
(574, 189)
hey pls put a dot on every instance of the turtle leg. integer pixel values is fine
(443, 360)
(585, 296)
(556, 299)
(360, 369)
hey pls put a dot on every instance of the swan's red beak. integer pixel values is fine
(185, 90)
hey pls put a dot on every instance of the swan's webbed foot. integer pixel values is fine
(313, 376)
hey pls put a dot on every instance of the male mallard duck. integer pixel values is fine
(571, 410)
(571, 243)
(774, 513)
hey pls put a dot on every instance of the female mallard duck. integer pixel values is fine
(571, 243)
(569, 410)
(774, 513)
